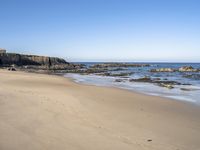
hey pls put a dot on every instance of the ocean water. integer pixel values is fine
(193, 95)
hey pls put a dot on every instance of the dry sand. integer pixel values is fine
(45, 112)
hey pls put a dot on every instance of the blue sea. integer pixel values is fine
(191, 95)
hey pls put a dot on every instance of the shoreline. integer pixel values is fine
(117, 88)
(174, 98)
(134, 91)
(39, 111)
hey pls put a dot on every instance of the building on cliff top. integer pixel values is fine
(2, 51)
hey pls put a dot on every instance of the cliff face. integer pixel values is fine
(20, 60)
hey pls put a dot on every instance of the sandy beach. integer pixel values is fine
(46, 112)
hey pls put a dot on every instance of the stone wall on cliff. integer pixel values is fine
(20, 60)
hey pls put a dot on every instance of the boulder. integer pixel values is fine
(11, 69)
(169, 86)
(187, 69)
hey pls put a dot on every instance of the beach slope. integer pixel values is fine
(46, 112)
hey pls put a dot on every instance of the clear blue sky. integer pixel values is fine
(103, 30)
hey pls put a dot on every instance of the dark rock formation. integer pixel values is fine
(157, 81)
(144, 79)
(122, 74)
(169, 86)
(53, 67)
(188, 89)
(7, 59)
(192, 76)
(39, 64)
(185, 89)
(11, 69)
(106, 65)
(119, 80)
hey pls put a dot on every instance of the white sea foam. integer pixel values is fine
(192, 95)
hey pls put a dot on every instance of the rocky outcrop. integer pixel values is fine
(53, 67)
(187, 69)
(157, 81)
(106, 65)
(39, 64)
(181, 69)
(21, 60)
(121, 74)
(154, 80)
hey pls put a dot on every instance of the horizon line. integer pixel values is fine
(131, 62)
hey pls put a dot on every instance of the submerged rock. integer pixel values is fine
(144, 79)
(118, 69)
(167, 82)
(169, 86)
(157, 81)
(122, 74)
(119, 80)
(192, 76)
(185, 89)
(163, 70)
(188, 89)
